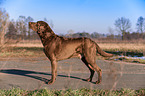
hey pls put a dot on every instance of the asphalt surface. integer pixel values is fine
(30, 74)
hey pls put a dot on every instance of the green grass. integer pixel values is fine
(70, 92)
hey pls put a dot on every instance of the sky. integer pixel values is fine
(77, 15)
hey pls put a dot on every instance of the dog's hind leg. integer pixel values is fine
(93, 67)
(99, 71)
(89, 51)
(90, 68)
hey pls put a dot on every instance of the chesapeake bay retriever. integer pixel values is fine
(58, 48)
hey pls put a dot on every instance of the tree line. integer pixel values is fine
(19, 30)
(122, 26)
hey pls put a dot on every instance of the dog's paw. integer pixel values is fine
(50, 81)
(88, 79)
(98, 82)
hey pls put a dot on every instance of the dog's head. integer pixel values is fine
(40, 27)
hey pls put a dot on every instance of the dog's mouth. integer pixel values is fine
(32, 25)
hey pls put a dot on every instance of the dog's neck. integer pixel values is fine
(47, 34)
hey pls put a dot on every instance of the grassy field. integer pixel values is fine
(125, 46)
(22, 52)
(35, 49)
(69, 92)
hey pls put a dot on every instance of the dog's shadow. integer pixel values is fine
(29, 73)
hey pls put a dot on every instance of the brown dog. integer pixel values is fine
(58, 48)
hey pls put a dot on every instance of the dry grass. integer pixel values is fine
(126, 46)
(123, 47)
(24, 47)
(28, 43)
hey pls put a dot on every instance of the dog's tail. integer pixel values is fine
(103, 53)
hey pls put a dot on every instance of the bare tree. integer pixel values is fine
(3, 25)
(12, 32)
(111, 32)
(29, 19)
(21, 26)
(123, 25)
(140, 24)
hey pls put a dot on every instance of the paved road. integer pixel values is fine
(30, 74)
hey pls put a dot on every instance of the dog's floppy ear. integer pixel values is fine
(44, 29)
(41, 25)
(41, 28)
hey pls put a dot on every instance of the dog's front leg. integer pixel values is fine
(54, 71)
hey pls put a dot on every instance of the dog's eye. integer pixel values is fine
(36, 25)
